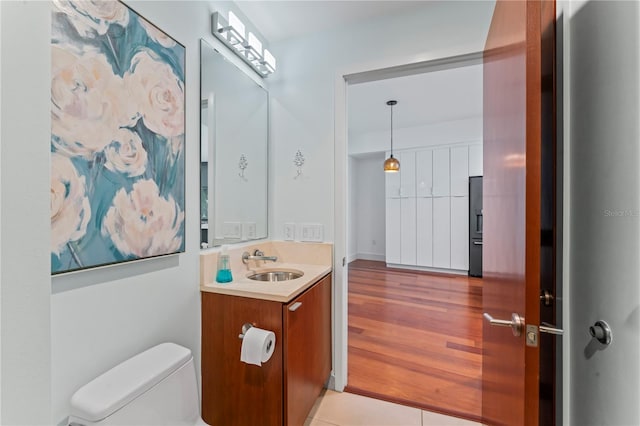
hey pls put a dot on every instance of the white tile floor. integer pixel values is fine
(347, 409)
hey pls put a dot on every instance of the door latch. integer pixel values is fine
(531, 335)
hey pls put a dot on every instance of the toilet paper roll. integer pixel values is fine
(257, 346)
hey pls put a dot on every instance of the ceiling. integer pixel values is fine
(447, 95)
(279, 20)
(433, 97)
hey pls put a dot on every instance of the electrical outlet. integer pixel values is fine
(289, 231)
(249, 230)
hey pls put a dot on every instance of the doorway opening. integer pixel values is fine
(414, 315)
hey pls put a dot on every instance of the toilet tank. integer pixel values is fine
(156, 387)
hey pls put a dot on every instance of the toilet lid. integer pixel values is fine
(114, 389)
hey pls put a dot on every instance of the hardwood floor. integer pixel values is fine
(415, 338)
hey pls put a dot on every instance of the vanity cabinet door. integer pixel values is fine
(307, 351)
(234, 392)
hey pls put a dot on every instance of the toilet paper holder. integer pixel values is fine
(245, 327)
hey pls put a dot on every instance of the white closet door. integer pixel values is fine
(441, 172)
(407, 173)
(475, 160)
(460, 233)
(424, 173)
(441, 232)
(392, 182)
(460, 171)
(424, 231)
(392, 230)
(408, 231)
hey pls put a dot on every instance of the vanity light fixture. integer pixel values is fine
(253, 49)
(269, 61)
(232, 30)
(391, 165)
(233, 34)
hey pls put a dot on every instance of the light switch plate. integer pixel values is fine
(289, 231)
(312, 232)
(232, 230)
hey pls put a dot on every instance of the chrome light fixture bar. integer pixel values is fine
(232, 33)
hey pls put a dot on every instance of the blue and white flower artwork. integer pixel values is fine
(117, 137)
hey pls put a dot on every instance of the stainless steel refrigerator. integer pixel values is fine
(475, 226)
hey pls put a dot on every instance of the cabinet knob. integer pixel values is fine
(295, 306)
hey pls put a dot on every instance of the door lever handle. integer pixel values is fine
(550, 329)
(516, 323)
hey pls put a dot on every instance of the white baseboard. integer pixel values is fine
(428, 269)
(370, 256)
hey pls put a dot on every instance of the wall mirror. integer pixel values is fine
(233, 152)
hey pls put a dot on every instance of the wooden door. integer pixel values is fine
(519, 208)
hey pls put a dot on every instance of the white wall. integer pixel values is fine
(602, 79)
(367, 201)
(302, 92)
(25, 293)
(0, 219)
(443, 133)
(59, 333)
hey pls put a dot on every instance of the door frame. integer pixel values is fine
(361, 73)
(376, 71)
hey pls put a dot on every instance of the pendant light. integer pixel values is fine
(391, 165)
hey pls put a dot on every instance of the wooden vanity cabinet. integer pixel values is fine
(281, 391)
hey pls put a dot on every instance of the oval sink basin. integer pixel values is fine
(275, 276)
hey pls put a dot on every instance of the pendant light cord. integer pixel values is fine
(391, 130)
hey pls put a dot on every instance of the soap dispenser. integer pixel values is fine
(223, 274)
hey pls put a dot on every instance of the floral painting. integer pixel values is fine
(117, 137)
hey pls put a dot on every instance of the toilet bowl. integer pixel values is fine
(155, 387)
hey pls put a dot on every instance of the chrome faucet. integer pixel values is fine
(257, 255)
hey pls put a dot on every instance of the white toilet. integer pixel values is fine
(155, 387)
